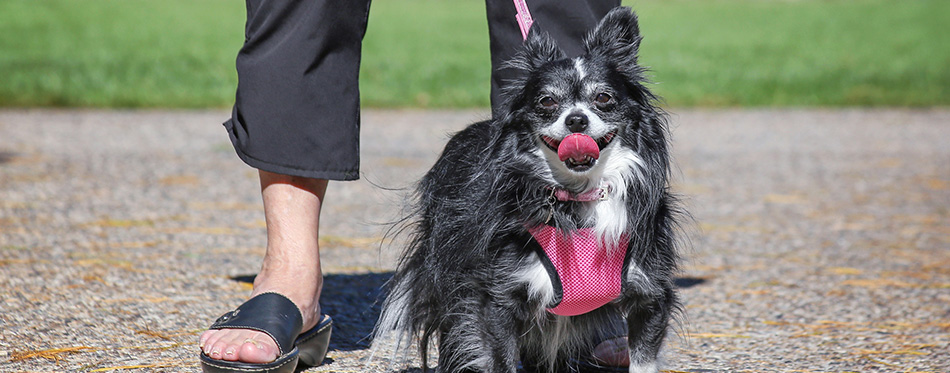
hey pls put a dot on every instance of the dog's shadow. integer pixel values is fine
(354, 301)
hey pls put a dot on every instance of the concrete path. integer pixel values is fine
(821, 240)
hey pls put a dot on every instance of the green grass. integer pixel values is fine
(800, 53)
(119, 53)
(426, 53)
(434, 53)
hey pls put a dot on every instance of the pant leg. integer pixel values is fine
(296, 110)
(567, 21)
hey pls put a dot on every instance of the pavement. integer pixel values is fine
(820, 239)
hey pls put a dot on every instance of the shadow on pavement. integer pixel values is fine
(6, 156)
(688, 282)
(354, 301)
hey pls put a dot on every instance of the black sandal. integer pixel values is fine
(278, 317)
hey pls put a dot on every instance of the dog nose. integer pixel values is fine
(576, 122)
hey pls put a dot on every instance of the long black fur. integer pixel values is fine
(456, 284)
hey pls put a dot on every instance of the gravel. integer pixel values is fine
(819, 240)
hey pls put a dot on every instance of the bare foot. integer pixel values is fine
(251, 346)
(238, 345)
(291, 266)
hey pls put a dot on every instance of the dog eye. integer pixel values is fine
(602, 98)
(547, 102)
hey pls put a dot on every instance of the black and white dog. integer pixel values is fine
(534, 230)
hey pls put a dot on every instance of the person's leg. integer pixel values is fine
(297, 107)
(568, 22)
(291, 265)
(296, 119)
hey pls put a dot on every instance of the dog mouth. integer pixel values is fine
(579, 152)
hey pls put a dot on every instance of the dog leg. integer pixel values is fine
(647, 327)
(482, 341)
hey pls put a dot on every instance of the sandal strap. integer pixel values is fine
(270, 313)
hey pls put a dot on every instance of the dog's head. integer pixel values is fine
(577, 111)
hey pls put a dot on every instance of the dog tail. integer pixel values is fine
(398, 328)
(391, 333)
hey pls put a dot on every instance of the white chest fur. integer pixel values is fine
(609, 219)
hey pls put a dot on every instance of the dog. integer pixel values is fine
(536, 230)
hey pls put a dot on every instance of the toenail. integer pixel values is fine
(254, 342)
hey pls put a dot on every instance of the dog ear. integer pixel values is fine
(539, 49)
(617, 36)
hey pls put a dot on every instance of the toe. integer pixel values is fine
(213, 350)
(257, 351)
(208, 338)
(240, 345)
(255, 347)
(230, 354)
(208, 341)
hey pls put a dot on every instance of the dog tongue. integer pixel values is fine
(578, 147)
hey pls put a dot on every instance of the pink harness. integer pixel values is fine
(587, 274)
(590, 275)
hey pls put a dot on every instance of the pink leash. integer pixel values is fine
(523, 17)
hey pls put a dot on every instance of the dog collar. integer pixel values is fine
(596, 194)
(600, 193)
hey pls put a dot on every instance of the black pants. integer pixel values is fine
(296, 111)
